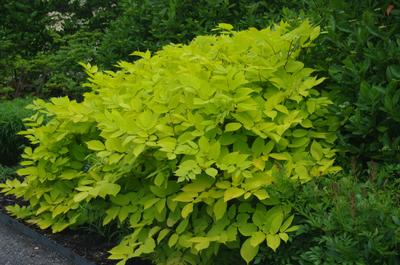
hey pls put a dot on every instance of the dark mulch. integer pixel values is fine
(91, 246)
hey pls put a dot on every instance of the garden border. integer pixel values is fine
(41, 239)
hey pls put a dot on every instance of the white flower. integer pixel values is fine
(58, 20)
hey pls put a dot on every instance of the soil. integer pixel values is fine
(91, 246)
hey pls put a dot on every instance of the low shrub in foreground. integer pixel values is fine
(345, 221)
(180, 147)
(11, 115)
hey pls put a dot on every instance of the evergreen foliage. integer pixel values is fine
(12, 114)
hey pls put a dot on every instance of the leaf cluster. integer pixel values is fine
(7, 172)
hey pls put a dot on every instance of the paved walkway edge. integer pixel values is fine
(48, 243)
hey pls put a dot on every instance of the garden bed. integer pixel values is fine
(80, 248)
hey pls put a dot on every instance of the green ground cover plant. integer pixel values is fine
(344, 221)
(181, 147)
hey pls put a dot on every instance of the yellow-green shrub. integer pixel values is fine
(181, 146)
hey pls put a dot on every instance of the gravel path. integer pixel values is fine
(17, 249)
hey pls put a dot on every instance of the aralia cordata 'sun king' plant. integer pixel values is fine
(180, 147)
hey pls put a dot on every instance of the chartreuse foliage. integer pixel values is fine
(181, 146)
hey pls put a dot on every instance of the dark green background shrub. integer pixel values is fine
(150, 24)
(58, 73)
(37, 58)
(103, 32)
(359, 53)
(11, 115)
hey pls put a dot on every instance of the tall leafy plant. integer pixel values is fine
(181, 147)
